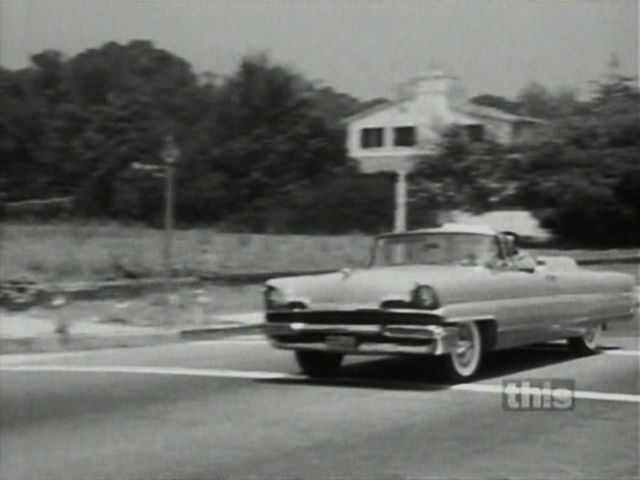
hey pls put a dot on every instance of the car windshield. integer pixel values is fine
(436, 249)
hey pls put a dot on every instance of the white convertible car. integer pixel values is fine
(455, 291)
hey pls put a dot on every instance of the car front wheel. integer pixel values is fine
(318, 364)
(463, 364)
(587, 344)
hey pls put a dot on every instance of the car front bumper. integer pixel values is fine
(364, 339)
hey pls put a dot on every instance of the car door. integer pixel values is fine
(587, 296)
(528, 308)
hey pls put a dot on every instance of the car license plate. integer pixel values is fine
(341, 343)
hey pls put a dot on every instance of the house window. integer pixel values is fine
(371, 137)
(475, 133)
(404, 136)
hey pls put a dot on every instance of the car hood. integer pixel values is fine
(371, 286)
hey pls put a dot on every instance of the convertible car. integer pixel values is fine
(456, 292)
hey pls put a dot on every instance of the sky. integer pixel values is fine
(364, 48)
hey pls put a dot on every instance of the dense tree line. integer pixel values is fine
(580, 177)
(583, 178)
(263, 149)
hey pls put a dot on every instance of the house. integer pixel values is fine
(393, 136)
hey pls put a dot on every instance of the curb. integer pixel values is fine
(233, 279)
(30, 294)
(218, 332)
(61, 343)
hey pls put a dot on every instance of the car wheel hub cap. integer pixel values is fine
(465, 348)
(591, 337)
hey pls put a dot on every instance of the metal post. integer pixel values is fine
(170, 155)
(168, 223)
(400, 217)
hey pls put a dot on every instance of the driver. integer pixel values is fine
(521, 260)
(494, 256)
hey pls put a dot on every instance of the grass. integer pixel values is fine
(188, 306)
(89, 252)
(73, 252)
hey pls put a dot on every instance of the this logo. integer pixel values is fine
(534, 394)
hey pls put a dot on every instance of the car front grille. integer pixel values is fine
(354, 317)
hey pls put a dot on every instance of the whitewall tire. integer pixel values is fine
(588, 343)
(463, 364)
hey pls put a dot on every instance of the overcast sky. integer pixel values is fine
(361, 47)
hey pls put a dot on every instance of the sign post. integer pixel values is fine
(400, 216)
(170, 156)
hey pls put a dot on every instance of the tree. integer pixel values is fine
(462, 175)
(122, 132)
(265, 135)
(250, 142)
(583, 184)
(23, 136)
(536, 101)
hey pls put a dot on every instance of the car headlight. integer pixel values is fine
(424, 296)
(274, 298)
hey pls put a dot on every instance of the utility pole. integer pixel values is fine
(400, 215)
(170, 155)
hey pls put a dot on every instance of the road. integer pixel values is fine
(236, 408)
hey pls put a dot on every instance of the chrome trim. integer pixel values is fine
(471, 318)
(428, 332)
(339, 307)
(436, 339)
(301, 327)
(365, 348)
(333, 308)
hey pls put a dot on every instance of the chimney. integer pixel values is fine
(437, 91)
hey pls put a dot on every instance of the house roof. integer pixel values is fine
(370, 111)
(488, 112)
(465, 113)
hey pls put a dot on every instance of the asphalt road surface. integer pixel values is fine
(236, 408)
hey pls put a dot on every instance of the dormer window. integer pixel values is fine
(371, 137)
(404, 136)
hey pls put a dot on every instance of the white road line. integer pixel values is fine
(20, 358)
(174, 371)
(635, 353)
(585, 395)
(259, 375)
(230, 341)
(604, 352)
(257, 340)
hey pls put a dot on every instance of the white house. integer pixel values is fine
(393, 136)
